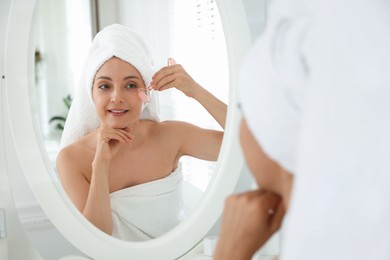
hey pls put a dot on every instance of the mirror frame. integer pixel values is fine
(19, 82)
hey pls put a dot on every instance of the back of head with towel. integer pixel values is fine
(119, 164)
(315, 97)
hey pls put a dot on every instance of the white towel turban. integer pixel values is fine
(113, 41)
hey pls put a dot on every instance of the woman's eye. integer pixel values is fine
(103, 87)
(131, 85)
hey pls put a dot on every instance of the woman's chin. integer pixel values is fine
(121, 125)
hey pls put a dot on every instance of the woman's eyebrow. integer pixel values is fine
(104, 77)
(125, 78)
(131, 77)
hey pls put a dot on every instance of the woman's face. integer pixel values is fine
(115, 94)
(265, 171)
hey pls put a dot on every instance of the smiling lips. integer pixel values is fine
(117, 112)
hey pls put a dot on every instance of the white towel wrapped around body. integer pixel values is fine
(148, 210)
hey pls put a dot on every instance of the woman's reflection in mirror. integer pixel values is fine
(119, 164)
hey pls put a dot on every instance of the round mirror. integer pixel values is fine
(191, 32)
(26, 118)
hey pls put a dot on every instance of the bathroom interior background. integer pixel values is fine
(51, 88)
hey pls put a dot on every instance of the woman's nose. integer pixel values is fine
(117, 96)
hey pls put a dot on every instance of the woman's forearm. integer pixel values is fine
(97, 208)
(175, 76)
(214, 106)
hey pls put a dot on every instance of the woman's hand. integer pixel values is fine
(249, 220)
(108, 141)
(174, 76)
(97, 208)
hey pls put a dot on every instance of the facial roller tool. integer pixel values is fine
(142, 95)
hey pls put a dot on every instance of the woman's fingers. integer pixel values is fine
(108, 140)
(126, 133)
(166, 82)
(165, 71)
(251, 217)
(116, 134)
(174, 77)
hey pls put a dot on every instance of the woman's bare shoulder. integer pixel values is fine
(169, 132)
(71, 151)
(76, 155)
(162, 127)
(175, 129)
(174, 125)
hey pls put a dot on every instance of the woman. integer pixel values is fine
(328, 92)
(272, 84)
(126, 153)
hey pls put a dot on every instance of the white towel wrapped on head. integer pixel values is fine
(113, 41)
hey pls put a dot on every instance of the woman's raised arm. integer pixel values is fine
(175, 76)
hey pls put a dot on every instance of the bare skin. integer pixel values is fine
(126, 151)
(251, 218)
